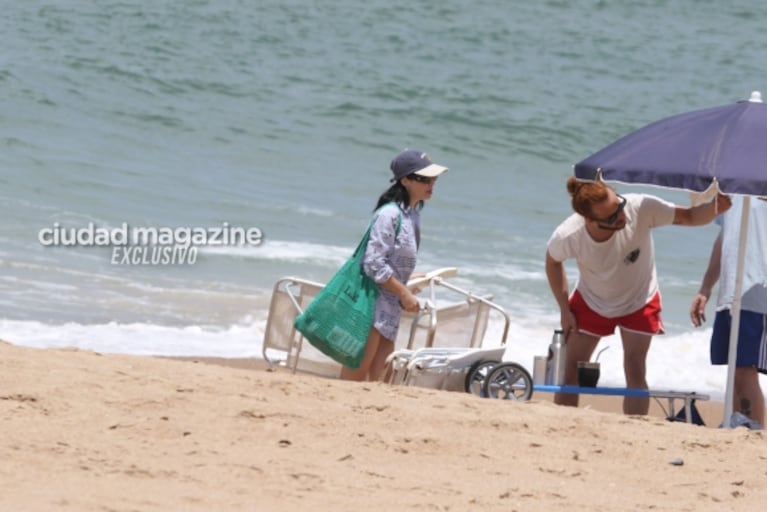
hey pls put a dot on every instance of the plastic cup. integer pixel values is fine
(588, 374)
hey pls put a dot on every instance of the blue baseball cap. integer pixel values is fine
(413, 161)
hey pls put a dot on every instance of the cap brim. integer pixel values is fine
(431, 171)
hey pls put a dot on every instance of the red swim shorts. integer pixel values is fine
(646, 320)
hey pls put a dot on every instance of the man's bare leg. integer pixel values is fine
(635, 348)
(580, 346)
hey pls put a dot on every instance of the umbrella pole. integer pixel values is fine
(732, 356)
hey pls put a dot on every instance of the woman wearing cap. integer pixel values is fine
(390, 255)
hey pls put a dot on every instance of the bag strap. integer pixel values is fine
(357, 256)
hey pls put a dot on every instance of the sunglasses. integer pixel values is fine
(613, 218)
(421, 179)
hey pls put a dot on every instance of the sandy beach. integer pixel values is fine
(84, 431)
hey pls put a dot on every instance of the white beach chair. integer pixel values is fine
(283, 344)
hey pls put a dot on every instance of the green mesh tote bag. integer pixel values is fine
(338, 320)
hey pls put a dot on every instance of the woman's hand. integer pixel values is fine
(407, 299)
(409, 302)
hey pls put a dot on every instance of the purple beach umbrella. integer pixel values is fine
(690, 151)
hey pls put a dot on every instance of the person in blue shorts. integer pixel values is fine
(751, 360)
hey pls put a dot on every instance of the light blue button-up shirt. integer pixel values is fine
(390, 254)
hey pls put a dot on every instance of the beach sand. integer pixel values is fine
(83, 431)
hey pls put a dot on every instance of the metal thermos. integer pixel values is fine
(555, 364)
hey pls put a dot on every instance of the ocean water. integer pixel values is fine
(281, 117)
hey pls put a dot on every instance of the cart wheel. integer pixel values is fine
(475, 377)
(508, 381)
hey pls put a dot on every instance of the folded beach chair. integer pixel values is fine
(283, 344)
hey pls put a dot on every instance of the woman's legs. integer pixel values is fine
(377, 367)
(377, 349)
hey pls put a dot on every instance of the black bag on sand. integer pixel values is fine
(682, 415)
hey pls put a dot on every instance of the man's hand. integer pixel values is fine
(698, 310)
(569, 324)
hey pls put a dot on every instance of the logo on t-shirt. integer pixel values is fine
(631, 257)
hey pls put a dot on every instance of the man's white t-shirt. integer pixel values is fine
(617, 276)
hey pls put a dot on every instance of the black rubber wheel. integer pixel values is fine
(475, 377)
(508, 381)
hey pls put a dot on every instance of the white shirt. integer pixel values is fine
(617, 276)
(755, 264)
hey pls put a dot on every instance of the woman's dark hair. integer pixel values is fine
(396, 194)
